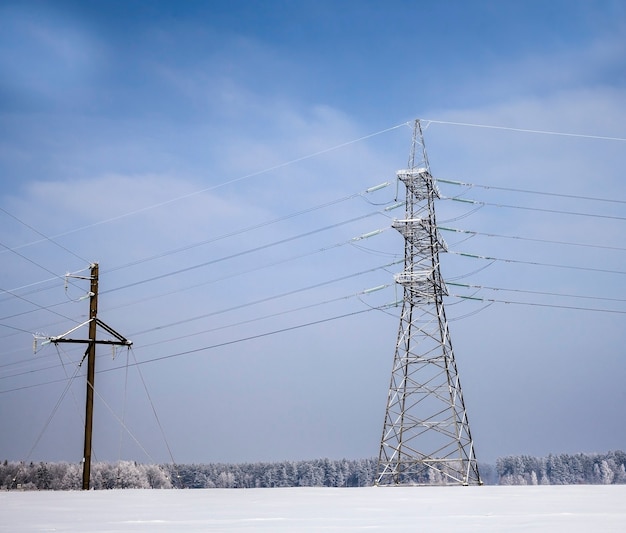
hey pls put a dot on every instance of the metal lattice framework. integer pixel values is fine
(426, 435)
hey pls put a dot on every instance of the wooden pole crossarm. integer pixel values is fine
(87, 341)
(111, 331)
(121, 340)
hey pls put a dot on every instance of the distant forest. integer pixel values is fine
(564, 469)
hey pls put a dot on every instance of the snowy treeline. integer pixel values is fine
(563, 469)
(127, 474)
(314, 473)
(69, 476)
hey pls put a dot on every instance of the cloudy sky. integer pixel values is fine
(214, 158)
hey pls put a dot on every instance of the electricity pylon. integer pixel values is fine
(90, 355)
(426, 435)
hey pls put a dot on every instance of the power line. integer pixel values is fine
(34, 263)
(234, 308)
(537, 263)
(484, 257)
(384, 266)
(252, 227)
(52, 413)
(245, 252)
(249, 338)
(264, 300)
(369, 190)
(319, 250)
(238, 232)
(232, 256)
(16, 329)
(524, 130)
(517, 190)
(15, 289)
(527, 191)
(461, 297)
(542, 293)
(537, 304)
(208, 347)
(526, 208)
(516, 237)
(156, 416)
(265, 317)
(224, 183)
(39, 307)
(213, 239)
(45, 237)
(374, 232)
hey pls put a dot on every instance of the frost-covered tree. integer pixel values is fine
(225, 480)
(72, 478)
(156, 477)
(606, 474)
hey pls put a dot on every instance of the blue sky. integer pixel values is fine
(212, 157)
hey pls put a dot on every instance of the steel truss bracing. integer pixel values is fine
(426, 435)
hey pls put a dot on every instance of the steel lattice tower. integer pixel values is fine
(426, 435)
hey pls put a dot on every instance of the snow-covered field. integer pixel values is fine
(578, 508)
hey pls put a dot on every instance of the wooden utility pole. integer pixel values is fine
(90, 355)
(91, 373)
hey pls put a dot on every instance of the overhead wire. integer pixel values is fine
(270, 245)
(526, 130)
(38, 308)
(265, 300)
(285, 240)
(241, 253)
(528, 191)
(152, 405)
(531, 239)
(204, 348)
(490, 301)
(225, 183)
(371, 189)
(471, 313)
(78, 410)
(52, 413)
(15, 328)
(121, 422)
(251, 337)
(336, 201)
(528, 208)
(312, 155)
(15, 252)
(460, 253)
(537, 263)
(236, 232)
(124, 403)
(538, 304)
(326, 204)
(534, 292)
(28, 285)
(258, 319)
(494, 258)
(235, 308)
(45, 237)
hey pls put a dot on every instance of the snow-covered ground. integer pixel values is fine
(578, 508)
